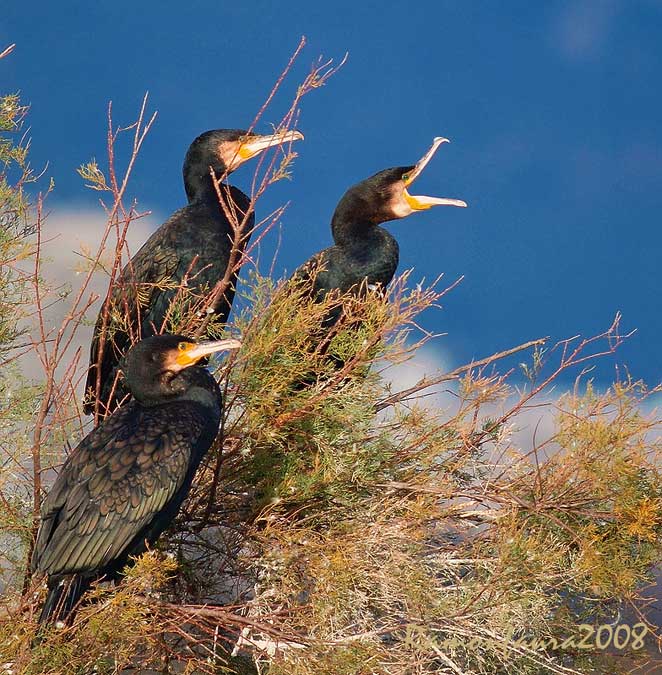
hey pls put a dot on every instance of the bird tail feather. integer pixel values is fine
(63, 598)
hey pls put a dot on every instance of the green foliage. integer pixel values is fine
(17, 398)
(92, 174)
(359, 531)
(15, 173)
(112, 630)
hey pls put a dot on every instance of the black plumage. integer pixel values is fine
(365, 255)
(126, 480)
(203, 229)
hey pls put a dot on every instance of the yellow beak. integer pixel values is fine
(193, 352)
(256, 144)
(422, 202)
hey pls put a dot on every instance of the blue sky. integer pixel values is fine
(553, 110)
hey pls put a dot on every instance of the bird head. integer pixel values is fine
(403, 203)
(385, 196)
(224, 150)
(152, 366)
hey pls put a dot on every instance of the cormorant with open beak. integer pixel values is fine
(193, 247)
(124, 483)
(363, 252)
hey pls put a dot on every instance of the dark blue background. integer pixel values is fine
(554, 110)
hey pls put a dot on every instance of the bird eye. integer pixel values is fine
(405, 177)
(182, 346)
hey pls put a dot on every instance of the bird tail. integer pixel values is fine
(63, 596)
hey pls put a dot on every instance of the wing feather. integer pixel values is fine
(140, 459)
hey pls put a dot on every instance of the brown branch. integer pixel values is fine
(118, 191)
(230, 619)
(569, 359)
(427, 382)
(262, 179)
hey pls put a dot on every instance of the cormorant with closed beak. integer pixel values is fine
(192, 248)
(124, 483)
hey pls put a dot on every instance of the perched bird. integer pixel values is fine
(365, 254)
(126, 480)
(362, 250)
(193, 246)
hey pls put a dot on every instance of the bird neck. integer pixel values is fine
(203, 190)
(357, 220)
(207, 399)
(198, 182)
(192, 384)
(367, 250)
(350, 233)
(234, 201)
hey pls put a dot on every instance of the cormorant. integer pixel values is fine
(125, 481)
(365, 254)
(202, 229)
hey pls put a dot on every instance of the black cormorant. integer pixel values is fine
(363, 252)
(125, 481)
(202, 229)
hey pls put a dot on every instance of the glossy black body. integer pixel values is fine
(201, 229)
(124, 483)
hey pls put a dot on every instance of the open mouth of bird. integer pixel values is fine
(421, 202)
